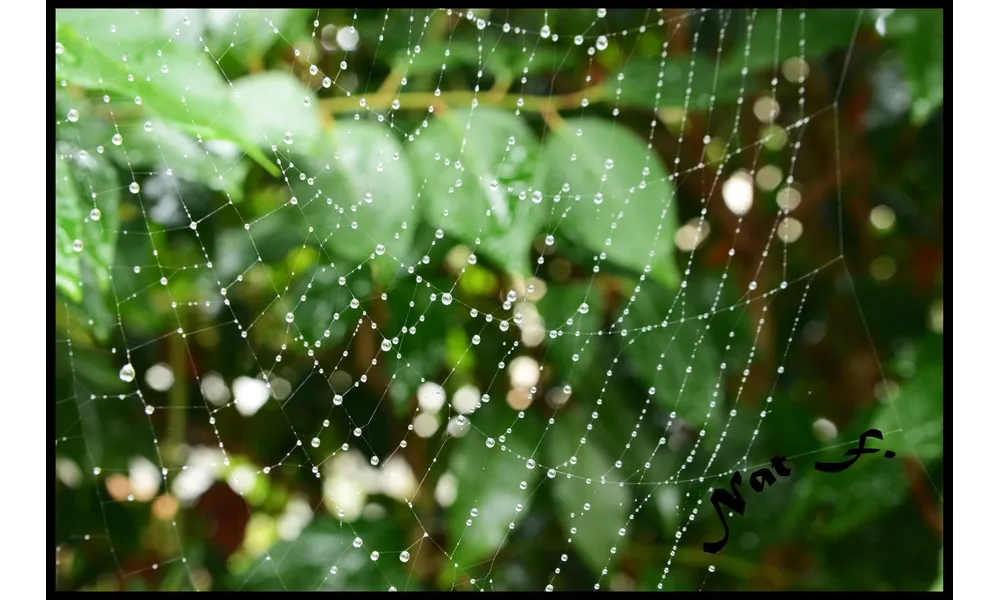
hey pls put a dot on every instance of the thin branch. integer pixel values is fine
(423, 100)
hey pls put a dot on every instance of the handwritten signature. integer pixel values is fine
(732, 499)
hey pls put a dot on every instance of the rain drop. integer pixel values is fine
(127, 373)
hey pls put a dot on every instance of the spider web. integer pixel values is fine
(324, 340)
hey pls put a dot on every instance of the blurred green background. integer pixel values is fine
(221, 118)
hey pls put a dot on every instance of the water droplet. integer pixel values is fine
(545, 32)
(711, 568)
(621, 531)
(530, 464)
(374, 462)
(490, 442)
(601, 43)
(584, 308)
(59, 48)
(374, 555)
(380, 249)
(386, 345)
(578, 40)
(95, 214)
(338, 399)
(138, 99)
(148, 126)
(289, 318)
(474, 512)
(288, 137)
(446, 298)
(536, 197)
(77, 245)
(333, 570)
(127, 373)
(149, 409)
(524, 485)
(73, 116)
(327, 82)
(357, 542)
(598, 198)
(480, 24)
(551, 474)
(404, 556)
(116, 139)
(133, 187)
(315, 442)
(475, 340)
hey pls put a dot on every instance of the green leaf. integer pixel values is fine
(824, 30)
(662, 355)
(361, 177)
(562, 302)
(78, 174)
(835, 504)
(640, 87)
(920, 36)
(305, 562)
(272, 104)
(918, 408)
(489, 481)
(216, 163)
(192, 93)
(581, 161)
(600, 509)
(473, 209)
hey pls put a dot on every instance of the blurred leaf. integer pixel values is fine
(460, 166)
(834, 504)
(78, 174)
(305, 563)
(190, 94)
(272, 105)
(215, 163)
(489, 482)
(824, 30)
(920, 36)
(362, 177)
(938, 585)
(641, 83)
(918, 408)
(562, 302)
(249, 33)
(636, 211)
(601, 509)
(662, 356)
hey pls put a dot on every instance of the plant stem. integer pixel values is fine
(422, 100)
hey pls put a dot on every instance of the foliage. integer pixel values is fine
(232, 187)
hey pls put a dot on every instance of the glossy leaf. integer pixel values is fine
(635, 211)
(362, 178)
(272, 105)
(183, 86)
(79, 173)
(474, 192)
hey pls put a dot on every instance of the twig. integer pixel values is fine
(423, 100)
